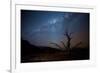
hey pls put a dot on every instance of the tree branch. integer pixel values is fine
(56, 45)
(77, 44)
(70, 33)
(63, 44)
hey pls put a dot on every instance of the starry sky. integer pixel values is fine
(44, 27)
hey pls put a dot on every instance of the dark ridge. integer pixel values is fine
(28, 50)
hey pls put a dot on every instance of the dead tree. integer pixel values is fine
(67, 45)
(69, 37)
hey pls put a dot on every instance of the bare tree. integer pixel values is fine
(69, 38)
(67, 45)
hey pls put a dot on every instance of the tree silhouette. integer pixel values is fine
(68, 35)
(67, 45)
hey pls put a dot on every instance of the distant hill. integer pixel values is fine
(28, 49)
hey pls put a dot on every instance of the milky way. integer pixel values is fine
(43, 27)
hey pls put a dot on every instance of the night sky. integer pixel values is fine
(44, 27)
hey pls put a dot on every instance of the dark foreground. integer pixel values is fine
(31, 53)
